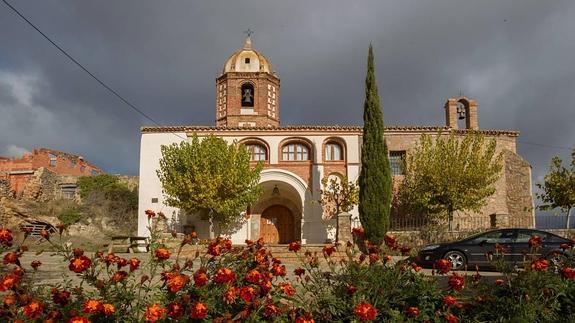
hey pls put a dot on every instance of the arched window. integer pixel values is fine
(295, 151)
(333, 151)
(247, 95)
(258, 152)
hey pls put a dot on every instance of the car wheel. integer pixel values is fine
(457, 259)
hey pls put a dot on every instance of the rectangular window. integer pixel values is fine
(53, 159)
(397, 162)
(73, 163)
(82, 168)
(94, 172)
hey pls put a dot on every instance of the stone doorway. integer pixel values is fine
(277, 225)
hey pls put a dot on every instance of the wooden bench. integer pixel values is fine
(128, 244)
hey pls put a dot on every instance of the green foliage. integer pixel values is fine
(70, 216)
(559, 187)
(211, 177)
(337, 196)
(449, 175)
(89, 184)
(375, 176)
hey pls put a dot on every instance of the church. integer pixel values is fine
(296, 159)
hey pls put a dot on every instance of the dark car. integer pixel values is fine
(472, 250)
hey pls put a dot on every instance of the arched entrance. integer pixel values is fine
(277, 225)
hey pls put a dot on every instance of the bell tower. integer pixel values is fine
(247, 91)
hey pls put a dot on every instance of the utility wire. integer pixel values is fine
(102, 83)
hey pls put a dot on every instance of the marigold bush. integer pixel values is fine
(246, 283)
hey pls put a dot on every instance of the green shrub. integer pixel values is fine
(70, 216)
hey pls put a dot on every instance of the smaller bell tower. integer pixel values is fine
(247, 91)
(461, 108)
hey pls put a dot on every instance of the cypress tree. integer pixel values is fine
(375, 176)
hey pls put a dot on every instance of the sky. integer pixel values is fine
(515, 57)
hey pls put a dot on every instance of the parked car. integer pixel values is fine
(472, 251)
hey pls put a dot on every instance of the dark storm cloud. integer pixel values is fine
(514, 57)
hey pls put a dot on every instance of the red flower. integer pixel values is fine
(249, 243)
(412, 311)
(390, 241)
(404, 250)
(540, 265)
(304, 319)
(199, 311)
(92, 306)
(415, 267)
(449, 301)
(175, 310)
(177, 281)
(35, 264)
(224, 276)
(287, 289)
(568, 273)
(78, 319)
(80, 264)
(247, 293)
(450, 318)
(154, 312)
(134, 263)
(278, 270)
(351, 289)
(11, 258)
(119, 276)
(456, 282)
(357, 232)
(34, 309)
(227, 244)
(294, 246)
(328, 250)
(365, 312)
(77, 252)
(230, 295)
(443, 266)
(109, 309)
(200, 277)
(265, 286)
(121, 262)
(8, 282)
(253, 276)
(60, 297)
(299, 271)
(373, 257)
(9, 300)
(162, 254)
(535, 241)
(499, 282)
(45, 234)
(214, 249)
(271, 310)
(150, 213)
(6, 237)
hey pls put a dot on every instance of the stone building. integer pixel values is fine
(296, 159)
(33, 175)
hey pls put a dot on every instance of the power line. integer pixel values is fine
(102, 83)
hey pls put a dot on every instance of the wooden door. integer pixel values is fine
(277, 225)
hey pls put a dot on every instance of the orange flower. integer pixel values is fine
(227, 244)
(450, 318)
(162, 254)
(200, 277)
(109, 309)
(177, 281)
(443, 266)
(214, 248)
(253, 276)
(287, 289)
(92, 306)
(456, 282)
(499, 282)
(534, 241)
(415, 267)
(33, 310)
(78, 319)
(390, 241)
(294, 246)
(9, 281)
(540, 265)
(154, 312)
(271, 310)
(175, 310)
(35, 264)
(373, 258)
(224, 275)
(304, 319)
(150, 213)
(6, 237)
(199, 311)
(119, 276)
(328, 250)
(299, 271)
(365, 312)
(230, 295)
(412, 311)
(265, 286)
(449, 301)
(45, 234)
(278, 270)
(11, 258)
(134, 264)
(9, 300)
(568, 273)
(80, 264)
(247, 293)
